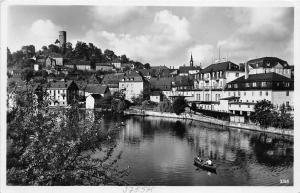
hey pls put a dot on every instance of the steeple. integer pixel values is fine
(191, 61)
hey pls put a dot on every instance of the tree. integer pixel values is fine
(124, 59)
(165, 106)
(9, 58)
(27, 74)
(54, 48)
(179, 105)
(147, 66)
(47, 147)
(194, 107)
(263, 113)
(81, 50)
(29, 51)
(109, 55)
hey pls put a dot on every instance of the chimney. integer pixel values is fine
(246, 71)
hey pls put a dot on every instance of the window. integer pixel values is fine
(239, 93)
(263, 84)
(287, 103)
(229, 85)
(252, 93)
(287, 84)
(244, 93)
(287, 93)
(267, 93)
(228, 93)
(254, 84)
(235, 85)
(278, 84)
(247, 84)
(260, 93)
(237, 74)
(248, 106)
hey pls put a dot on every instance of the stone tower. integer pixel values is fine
(62, 39)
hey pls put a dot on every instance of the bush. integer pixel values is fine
(179, 105)
(47, 148)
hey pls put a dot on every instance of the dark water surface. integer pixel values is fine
(160, 151)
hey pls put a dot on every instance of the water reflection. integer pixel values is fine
(161, 152)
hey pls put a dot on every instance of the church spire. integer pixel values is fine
(191, 61)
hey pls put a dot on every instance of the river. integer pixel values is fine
(160, 151)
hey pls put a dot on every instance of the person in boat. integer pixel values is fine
(209, 162)
(199, 159)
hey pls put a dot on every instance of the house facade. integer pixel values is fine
(62, 93)
(132, 85)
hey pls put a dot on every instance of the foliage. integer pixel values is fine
(148, 104)
(27, 74)
(164, 106)
(53, 147)
(179, 105)
(119, 105)
(194, 107)
(263, 113)
(147, 66)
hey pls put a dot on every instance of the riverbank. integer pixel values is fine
(202, 118)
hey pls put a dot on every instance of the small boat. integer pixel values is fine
(203, 165)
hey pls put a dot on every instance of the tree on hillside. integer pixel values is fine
(179, 105)
(147, 66)
(81, 50)
(124, 59)
(29, 51)
(263, 113)
(109, 55)
(53, 48)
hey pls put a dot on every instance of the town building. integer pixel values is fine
(210, 83)
(269, 64)
(62, 93)
(97, 89)
(156, 96)
(246, 91)
(83, 65)
(112, 81)
(133, 84)
(104, 67)
(93, 101)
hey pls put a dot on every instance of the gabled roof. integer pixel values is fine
(133, 76)
(186, 69)
(222, 66)
(95, 96)
(96, 88)
(266, 62)
(263, 77)
(60, 84)
(81, 84)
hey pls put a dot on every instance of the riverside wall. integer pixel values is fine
(211, 120)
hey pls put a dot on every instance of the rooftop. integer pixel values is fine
(266, 62)
(263, 77)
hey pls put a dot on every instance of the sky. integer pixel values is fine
(161, 35)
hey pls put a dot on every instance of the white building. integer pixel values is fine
(62, 93)
(269, 64)
(132, 85)
(92, 101)
(246, 91)
(36, 67)
(209, 84)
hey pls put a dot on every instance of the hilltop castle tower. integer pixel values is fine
(62, 39)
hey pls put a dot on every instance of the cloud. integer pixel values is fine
(201, 53)
(115, 14)
(261, 29)
(164, 35)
